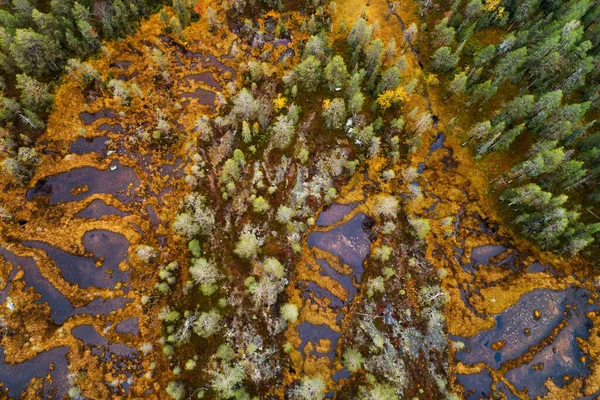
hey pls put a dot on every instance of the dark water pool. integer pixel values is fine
(89, 145)
(98, 208)
(479, 385)
(129, 325)
(539, 312)
(350, 242)
(68, 186)
(204, 77)
(344, 280)
(312, 289)
(91, 117)
(205, 97)
(16, 377)
(311, 333)
(334, 213)
(114, 128)
(437, 143)
(106, 245)
(60, 307)
(89, 336)
(481, 255)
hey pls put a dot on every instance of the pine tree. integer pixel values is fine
(359, 35)
(308, 74)
(61, 7)
(580, 237)
(334, 113)
(514, 110)
(245, 106)
(336, 74)
(80, 12)
(282, 132)
(34, 53)
(444, 34)
(484, 56)
(355, 82)
(46, 23)
(568, 174)
(501, 140)
(121, 18)
(374, 57)
(355, 103)
(390, 80)
(478, 131)
(34, 94)
(543, 109)
(530, 195)
(443, 59)
(524, 11)
(390, 50)
(508, 65)
(182, 12)
(546, 158)
(23, 9)
(89, 36)
(318, 46)
(458, 85)
(483, 92)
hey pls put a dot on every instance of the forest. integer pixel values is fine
(532, 70)
(263, 199)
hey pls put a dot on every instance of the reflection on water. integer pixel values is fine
(16, 377)
(345, 247)
(104, 245)
(334, 213)
(349, 242)
(479, 385)
(314, 334)
(538, 315)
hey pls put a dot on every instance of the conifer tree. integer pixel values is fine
(334, 113)
(336, 73)
(34, 94)
(308, 74)
(443, 59)
(34, 53)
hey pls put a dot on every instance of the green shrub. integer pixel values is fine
(273, 267)
(289, 312)
(176, 390)
(284, 214)
(260, 205)
(247, 247)
(352, 359)
(195, 248)
(208, 323)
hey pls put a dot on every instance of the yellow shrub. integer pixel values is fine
(391, 97)
(279, 102)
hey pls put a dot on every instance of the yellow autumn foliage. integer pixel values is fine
(279, 102)
(493, 5)
(432, 79)
(391, 97)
